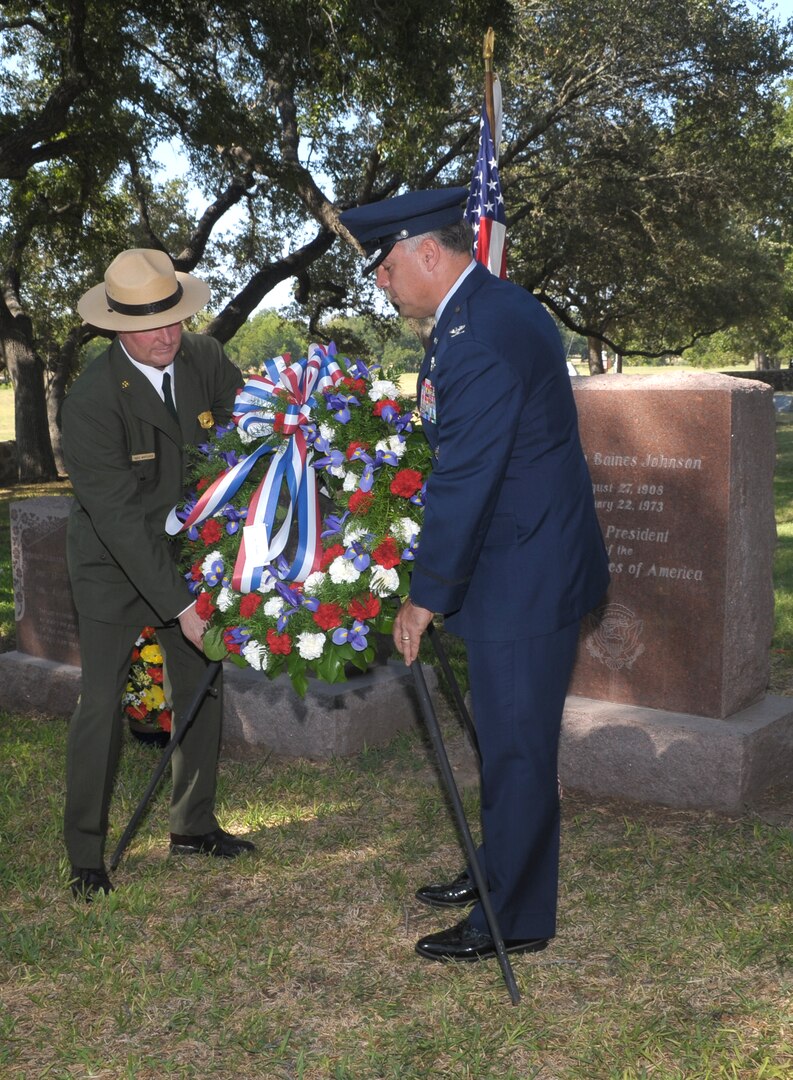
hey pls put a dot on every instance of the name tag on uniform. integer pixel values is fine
(427, 409)
(142, 457)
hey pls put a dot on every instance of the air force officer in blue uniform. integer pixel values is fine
(510, 553)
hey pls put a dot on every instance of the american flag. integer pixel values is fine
(485, 209)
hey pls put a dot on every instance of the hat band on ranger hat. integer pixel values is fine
(145, 309)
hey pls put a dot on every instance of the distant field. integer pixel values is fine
(6, 413)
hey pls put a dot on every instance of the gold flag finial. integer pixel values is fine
(488, 48)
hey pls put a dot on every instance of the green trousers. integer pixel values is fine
(96, 728)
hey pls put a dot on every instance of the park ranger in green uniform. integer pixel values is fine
(127, 422)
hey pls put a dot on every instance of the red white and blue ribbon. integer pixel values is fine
(255, 409)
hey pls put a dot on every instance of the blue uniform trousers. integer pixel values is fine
(518, 690)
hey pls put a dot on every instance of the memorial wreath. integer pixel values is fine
(282, 585)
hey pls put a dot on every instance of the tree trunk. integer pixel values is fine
(594, 347)
(763, 362)
(617, 368)
(62, 370)
(35, 462)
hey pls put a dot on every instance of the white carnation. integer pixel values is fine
(212, 557)
(352, 533)
(326, 432)
(338, 471)
(273, 607)
(256, 654)
(384, 581)
(394, 443)
(313, 582)
(310, 646)
(383, 388)
(225, 599)
(350, 482)
(341, 570)
(405, 530)
(267, 583)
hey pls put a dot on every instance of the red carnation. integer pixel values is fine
(328, 615)
(365, 608)
(355, 446)
(204, 482)
(135, 655)
(329, 554)
(406, 483)
(249, 604)
(204, 607)
(137, 712)
(357, 385)
(387, 554)
(360, 501)
(164, 719)
(211, 532)
(195, 571)
(155, 674)
(378, 409)
(279, 643)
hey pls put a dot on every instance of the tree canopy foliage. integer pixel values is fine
(645, 159)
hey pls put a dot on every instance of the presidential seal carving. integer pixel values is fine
(614, 637)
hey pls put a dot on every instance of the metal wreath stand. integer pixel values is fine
(433, 729)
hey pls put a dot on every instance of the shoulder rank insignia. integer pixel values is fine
(456, 330)
(125, 385)
(206, 420)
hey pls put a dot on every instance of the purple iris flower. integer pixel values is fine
(331, 461)
(215, 573)
(403, 423)
(385, 457)
(231, 457)
(192, 533)
(233, 518)
(339, 405)
(193, 586)
(333, 524)
(359, 370)
(236, 635)
(355, 636)
(419, 498)
(358, 555)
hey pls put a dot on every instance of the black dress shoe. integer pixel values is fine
(465, 942)
(458, 893)
(218, 843)
(85, 883)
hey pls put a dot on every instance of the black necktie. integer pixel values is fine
(168, 396)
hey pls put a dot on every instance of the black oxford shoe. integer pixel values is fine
(465, 942)
(218, 843)
(458, 893)
(86, 882)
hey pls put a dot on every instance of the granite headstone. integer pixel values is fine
(682, 470)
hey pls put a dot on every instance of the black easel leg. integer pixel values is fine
(201, 691)
(454, 686)
(431, 720)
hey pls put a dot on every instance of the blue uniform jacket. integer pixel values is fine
(511, 545)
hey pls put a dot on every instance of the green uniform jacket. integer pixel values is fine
(127, 464)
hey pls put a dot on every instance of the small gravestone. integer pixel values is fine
(46, 621)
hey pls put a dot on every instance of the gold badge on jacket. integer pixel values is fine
(206, 419)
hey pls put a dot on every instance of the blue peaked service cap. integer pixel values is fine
(378, 226)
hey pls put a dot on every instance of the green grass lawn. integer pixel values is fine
(674, 958)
